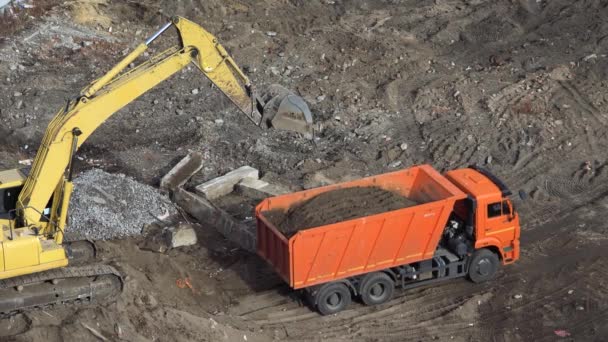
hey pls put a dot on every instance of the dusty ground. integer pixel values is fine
(518, 85)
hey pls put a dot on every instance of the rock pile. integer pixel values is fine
(108, 206)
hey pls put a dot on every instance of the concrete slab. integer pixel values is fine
(182, 235)
(224, 185)
(182, 171)
(209, 215)
(252, 188)
(259, 189)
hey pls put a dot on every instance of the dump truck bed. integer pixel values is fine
(365, 244)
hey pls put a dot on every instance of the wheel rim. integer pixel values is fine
(377, 291)
(484, 267)
(334, 300)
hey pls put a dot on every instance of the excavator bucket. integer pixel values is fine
(284, 110)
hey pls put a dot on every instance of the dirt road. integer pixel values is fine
(518, 86)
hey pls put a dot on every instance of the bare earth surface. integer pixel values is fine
(519, 86)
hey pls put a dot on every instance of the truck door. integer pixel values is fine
(500, 223)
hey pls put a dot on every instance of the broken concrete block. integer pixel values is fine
(182, 235)
(182, 171)
(160, 239)
(251, 187)
(224, 185)
(259, 189)
(208, 214)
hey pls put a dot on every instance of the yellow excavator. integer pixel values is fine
(39, 269)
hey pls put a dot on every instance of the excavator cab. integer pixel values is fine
(11, 183)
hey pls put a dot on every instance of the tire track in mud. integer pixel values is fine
(573, 91)
(566, 187)
(364, 322)
(401, 296)
(530, 169)
(582, 101)
(548, 301)
(552, 300)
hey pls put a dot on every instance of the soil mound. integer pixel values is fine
(336, 206)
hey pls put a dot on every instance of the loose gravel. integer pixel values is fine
(108, 206)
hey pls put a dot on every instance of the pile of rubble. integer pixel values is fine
(198, 204)
(9, 6)
(107, 206)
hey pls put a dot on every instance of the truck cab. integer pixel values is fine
(488, 212)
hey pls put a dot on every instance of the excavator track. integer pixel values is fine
(75, 284)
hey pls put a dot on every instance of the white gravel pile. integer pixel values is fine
(108, 206)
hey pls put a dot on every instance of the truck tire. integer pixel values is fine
(377, 288)
(483, 266)
(333, 298)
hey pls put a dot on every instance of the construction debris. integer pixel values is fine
(107, 206)
(252, 187)
(8, 5)
(182, 171)
(259, 189)
(160, 238)
(224, 185)
(182, 235)
(209, 215)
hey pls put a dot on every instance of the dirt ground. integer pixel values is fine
(519, 86)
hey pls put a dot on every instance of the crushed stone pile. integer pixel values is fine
(108, 206)
(336, 206)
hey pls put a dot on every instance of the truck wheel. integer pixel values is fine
(483, 266)
(333, 298)
(377, 288)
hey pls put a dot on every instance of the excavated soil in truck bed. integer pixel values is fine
(336, 206)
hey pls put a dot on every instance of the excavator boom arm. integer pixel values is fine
(101, 99)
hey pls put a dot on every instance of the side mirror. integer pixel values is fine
(511, 210)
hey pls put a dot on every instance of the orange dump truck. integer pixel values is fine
(463, 225)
